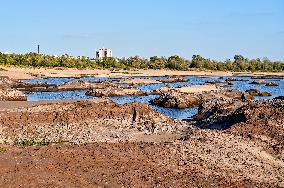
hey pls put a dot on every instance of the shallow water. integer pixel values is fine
(62, 95)
(174, 113)
(59, 81)
(238, 85)
(275, 91)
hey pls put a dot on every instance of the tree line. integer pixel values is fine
(239, 63)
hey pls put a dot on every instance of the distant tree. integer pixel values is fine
(177, 63)
(174, 62)
(157, 62)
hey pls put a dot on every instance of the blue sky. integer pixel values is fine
(216, 29)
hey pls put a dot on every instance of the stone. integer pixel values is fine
(265, 94)
(279, 98)
(176, 100)
(272, 84)
(259, 82)
(253, 92)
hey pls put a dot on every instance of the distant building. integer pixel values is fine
(103, 53)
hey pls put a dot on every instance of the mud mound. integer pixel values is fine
(11, 95)
(112, 91)
(255, 92)
(8, 93)
(261, 120)
(6, 82)
(220, 113)
(82, 122)
(176, 100)
(231, 111)
(264, 121)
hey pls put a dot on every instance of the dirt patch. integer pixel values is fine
(213, 161)
(83, 122)
(261, 121)
(8, 93)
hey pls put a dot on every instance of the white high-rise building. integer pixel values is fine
(103, 53)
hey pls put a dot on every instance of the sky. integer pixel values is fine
(215, 29)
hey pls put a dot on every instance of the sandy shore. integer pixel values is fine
(30, 73)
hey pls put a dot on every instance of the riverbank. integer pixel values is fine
(31, 73)
(230, 141)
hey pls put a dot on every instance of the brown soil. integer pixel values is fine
(83, 122)
(210, 161)
(97, 143)
(7, 93)
(134, 146)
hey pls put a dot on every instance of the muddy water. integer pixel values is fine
(174, 113)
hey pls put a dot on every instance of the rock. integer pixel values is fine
(279, 98)
(8, 93)
(268, 77)
(219, 113)
(1, 69)
(225, 114)
(247, 97)
(214, 82)
(173, 79)
(6, 82)
(138, 81)
(272, 84)
(115, 91)
(253, 92)
(36, 87)
(232, 80)
(176, 100)
(265, 94)
(232, 94)
(262, 120)
(259, 82)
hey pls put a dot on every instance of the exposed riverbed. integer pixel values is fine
(235, 82)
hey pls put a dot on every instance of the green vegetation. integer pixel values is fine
(2, 150)
(198, 62)
(31, 142)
